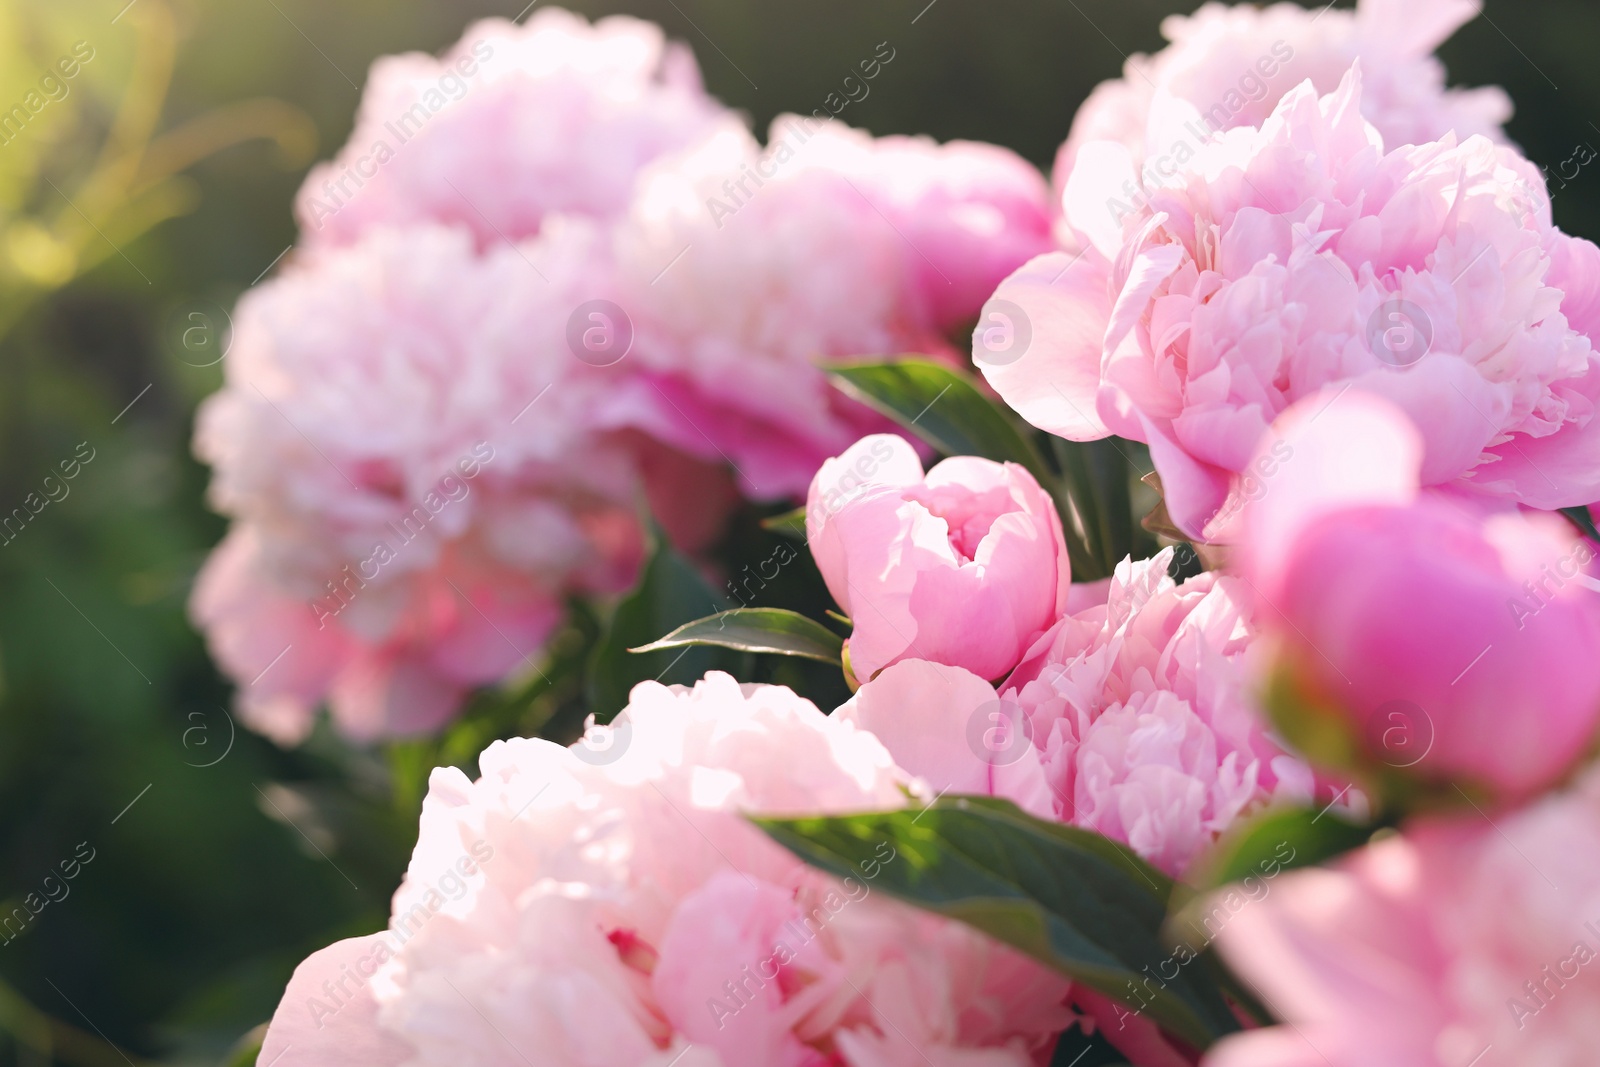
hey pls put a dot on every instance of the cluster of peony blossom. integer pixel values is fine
(526, 251)
(1384, 510)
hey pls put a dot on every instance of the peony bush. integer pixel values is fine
(1205, 674)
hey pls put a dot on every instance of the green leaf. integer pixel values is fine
(942, 407)
(1071, 899)
(248, 1049)
(773, 630)
(670, 593)
(1279, 839)
(1098, 480)
(791, 524)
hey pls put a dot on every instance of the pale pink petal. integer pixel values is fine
(949, 726)
(1049, 375)
(329, 1015)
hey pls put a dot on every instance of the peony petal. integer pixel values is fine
(941, 723)
(327, 1018)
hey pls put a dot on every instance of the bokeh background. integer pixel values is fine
(133, 211)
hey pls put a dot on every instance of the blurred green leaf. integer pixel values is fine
(1278, 839)
(1584, 522)
(51, 1038)
(1074, 1048)
(245, 1053)
(791, 524)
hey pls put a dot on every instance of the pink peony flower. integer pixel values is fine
(512, 125)
(965, 565)
(1283, 260)
(1449, 641)
(746, 267)
(611, 906)
(422, 469)
(1229, 65)
(429, 638)
(967, 213)
(1457, 943)
(1133, 718)
(1145, 717)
